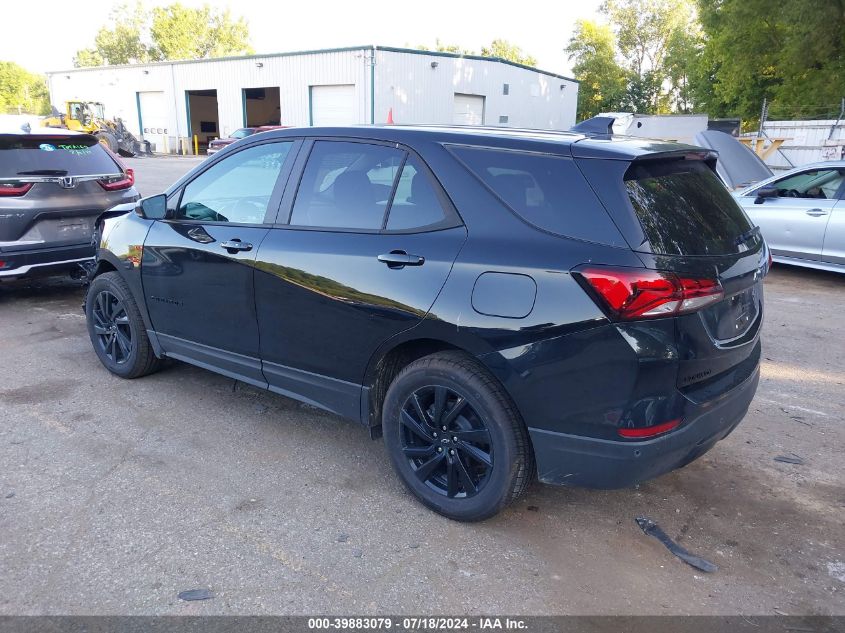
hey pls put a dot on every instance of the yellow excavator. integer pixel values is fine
(90, 117)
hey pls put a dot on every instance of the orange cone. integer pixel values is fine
(390, 116)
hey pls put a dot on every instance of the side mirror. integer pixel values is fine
(766, 192)
(152, 208)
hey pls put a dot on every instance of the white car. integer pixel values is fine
(801, 214)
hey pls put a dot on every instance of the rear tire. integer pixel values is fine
(481, 462)
(117, 329)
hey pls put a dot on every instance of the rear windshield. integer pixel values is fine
(49, 155)
(685, 210)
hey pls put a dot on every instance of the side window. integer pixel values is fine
(237, 189)
(817, 183)
(415, 203)
(547, 191)
(346, 185)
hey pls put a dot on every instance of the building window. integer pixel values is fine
(503, 118)
(506, 89)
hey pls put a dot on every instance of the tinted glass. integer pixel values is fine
(60, 155)
(415, 203)
(818, 183)
(238, 188)
(243, 132)
(685, 210)
(346, 185)
(547, 191)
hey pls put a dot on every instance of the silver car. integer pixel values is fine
(53, 186)
(801, 214)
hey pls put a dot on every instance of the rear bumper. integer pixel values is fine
(44, 260)
(565, 459)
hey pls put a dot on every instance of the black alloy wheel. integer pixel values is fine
(111, 326)
(446, 441)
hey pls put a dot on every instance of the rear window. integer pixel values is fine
(547, 191)
(685, 210)
(49, 155)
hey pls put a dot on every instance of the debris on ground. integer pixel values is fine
(792, 458)
(342, 538)
(533, 509)
(195, 594)
(651, 528)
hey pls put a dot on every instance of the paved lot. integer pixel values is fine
(116, 495)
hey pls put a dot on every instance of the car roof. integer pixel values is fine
(546, 141)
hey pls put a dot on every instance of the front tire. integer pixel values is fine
(455, 438)
(116, 328)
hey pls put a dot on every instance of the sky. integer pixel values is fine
(541, 29)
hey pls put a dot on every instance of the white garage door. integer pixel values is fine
(154, 115)
(469, 109)
(333, 105)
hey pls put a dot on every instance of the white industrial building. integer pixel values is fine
(168, 102)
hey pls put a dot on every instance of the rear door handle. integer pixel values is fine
(400, 259)
(817, 212)
(236, 245)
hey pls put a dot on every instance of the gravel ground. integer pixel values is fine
(116, 495)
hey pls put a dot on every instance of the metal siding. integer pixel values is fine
(418, 93)
(403, 81)
(807, 142)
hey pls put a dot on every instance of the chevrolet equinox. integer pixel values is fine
(498, 304)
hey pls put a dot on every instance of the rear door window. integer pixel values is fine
(546, 191)
(684, 209)
(346, 185)
(53, 155)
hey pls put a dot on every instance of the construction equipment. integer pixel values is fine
(89, 117)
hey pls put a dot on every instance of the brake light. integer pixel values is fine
(14, 188)
(634, 293)
(649, 431)
(119, 182)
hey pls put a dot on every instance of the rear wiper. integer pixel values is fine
(744, 237)
(44, 172)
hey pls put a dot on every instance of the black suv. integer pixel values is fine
(499, 304)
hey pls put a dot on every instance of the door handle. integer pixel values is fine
(235, 245)
(400, 259)
(817, 212)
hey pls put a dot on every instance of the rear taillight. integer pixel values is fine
(635, 293)
(119, 182)
(14, 188)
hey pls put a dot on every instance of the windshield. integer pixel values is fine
(242, 132)
(685, 210)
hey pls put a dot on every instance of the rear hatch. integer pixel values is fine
(53, 186)
(680, 220)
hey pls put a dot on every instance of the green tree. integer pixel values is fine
(592, 48)
(440, 47)
(124, 43)
(505, 50)
(645, 32)
(791, 53)
(22, 91)
(135, 35)
(181, 32)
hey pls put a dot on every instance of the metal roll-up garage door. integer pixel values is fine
(469, 109)
(333, 105)
(153, 113)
